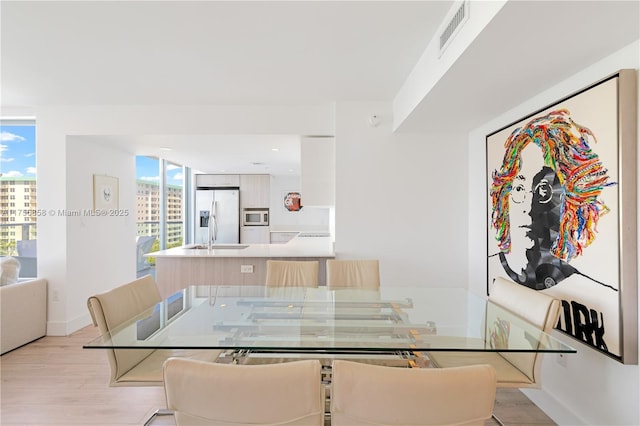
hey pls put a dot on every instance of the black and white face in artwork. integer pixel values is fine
(520, 207)
(534, 212)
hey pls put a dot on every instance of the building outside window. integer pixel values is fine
(174, 205)
(18, 202)
(159, 214)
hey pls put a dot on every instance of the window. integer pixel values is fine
(18, 178)
(159, 207)
(148, 183)
(173, 201)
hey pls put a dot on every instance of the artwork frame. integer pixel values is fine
(561, 191)
(105, 192)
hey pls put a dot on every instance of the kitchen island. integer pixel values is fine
(233, 264)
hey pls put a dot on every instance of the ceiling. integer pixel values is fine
(288, 53)
(212, 53)
(235, 154)
(527, 48)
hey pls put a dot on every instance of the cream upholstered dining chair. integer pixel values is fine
(292, 273)
(285, 278)
(201, 393)
(135, 367)
(515, 370)
(349, 277)
(353, 274)
(363, 394)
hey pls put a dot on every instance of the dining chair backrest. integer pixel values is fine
(202, 393)
(292, 273)
(365, 394)
(112, 308)
(353, 274)
(533, 306)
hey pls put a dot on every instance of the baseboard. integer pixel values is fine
(560, 414)
(61, 328)
(56, 328)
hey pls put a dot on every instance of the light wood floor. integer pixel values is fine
(53, 381)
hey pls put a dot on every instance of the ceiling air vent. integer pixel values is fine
(460, 15)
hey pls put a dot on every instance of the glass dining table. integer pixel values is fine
(392, 321)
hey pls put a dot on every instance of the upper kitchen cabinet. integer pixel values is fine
(216, 181)
(317, 171)
(255, 191)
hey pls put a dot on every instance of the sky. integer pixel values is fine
(18, 151)
(18, 157)
(147, 169)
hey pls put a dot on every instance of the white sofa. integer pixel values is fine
(23, 313)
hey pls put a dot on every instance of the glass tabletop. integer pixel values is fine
(318, 320)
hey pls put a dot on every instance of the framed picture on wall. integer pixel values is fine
(561, 211)
(105, 192)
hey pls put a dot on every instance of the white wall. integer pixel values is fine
(401, 199)
(101, 249)
(64, 164)
(591, 388)
(307, 219)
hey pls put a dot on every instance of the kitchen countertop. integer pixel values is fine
(297, 247)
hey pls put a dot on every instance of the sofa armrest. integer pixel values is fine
(23, 313)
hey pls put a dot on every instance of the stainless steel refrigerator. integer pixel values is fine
(222, 207)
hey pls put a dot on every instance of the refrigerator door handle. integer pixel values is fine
(212, 224)
(215, 221)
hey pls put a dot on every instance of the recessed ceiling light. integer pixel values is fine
(164, 148)
(275, 149)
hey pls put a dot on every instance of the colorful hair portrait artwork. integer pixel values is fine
(558, 194)
(552, 211)
(292, 201)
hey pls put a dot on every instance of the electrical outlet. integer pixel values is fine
(56, 296)
(246, 269)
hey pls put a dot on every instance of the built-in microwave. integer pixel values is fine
(255, 217)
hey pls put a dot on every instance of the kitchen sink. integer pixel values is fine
(218, 246)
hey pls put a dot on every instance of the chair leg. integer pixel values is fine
(157, 413)
(497, 419)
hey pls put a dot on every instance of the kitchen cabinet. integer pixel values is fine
(254, 235)
(214, 181)
(317, 171)
(282, 237)
(255, 191)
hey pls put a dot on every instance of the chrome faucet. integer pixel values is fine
(212, 231)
